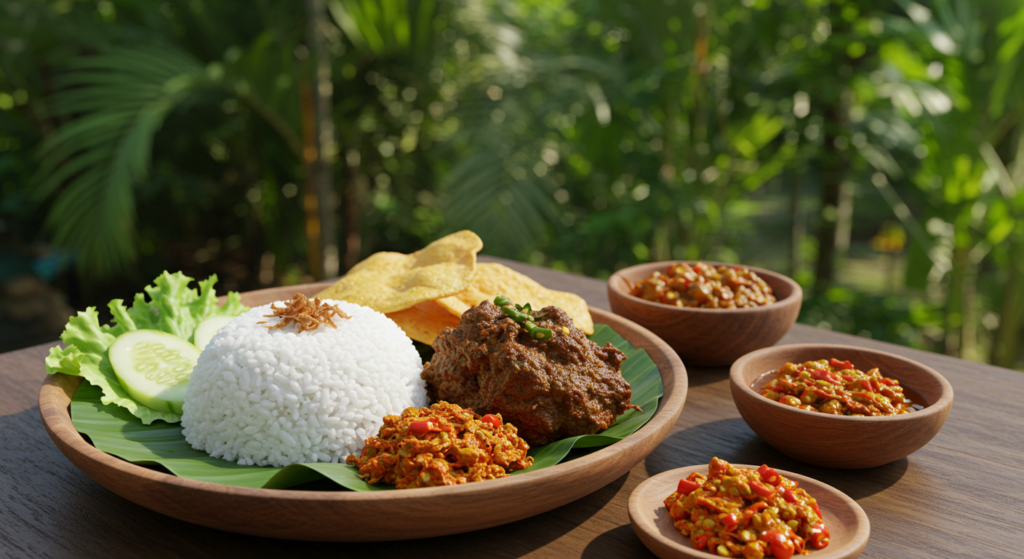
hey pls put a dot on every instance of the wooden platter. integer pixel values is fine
(380, 515)
(847, 523)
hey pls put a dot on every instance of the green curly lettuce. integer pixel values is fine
(172, 307)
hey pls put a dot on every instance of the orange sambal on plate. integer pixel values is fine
(740, 512)
(837, 387)
(703, 285)
(441, 445)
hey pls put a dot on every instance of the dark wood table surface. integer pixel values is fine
(962, 495)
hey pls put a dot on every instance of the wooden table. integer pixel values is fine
(962, 495)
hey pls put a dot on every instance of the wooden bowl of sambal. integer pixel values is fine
(840, 406)
(704, 336)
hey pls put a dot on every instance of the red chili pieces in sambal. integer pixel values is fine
(441, 445)
(739, 512)
(703, 285)
(838, 388)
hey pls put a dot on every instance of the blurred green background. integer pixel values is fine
(870, 149)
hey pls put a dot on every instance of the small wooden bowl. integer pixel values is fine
(837, 441)
(847, 523)
(708, 337)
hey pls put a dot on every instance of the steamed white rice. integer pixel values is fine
(276, 397)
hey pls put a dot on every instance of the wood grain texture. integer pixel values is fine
(708, 337)
(837, 441)
(961, 495)
(848, 525)
(374, 516)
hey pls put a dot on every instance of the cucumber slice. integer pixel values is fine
(154, 367)
(207, 328)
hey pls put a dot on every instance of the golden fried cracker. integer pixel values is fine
(424, 321)
(492, 280)
(390, 281)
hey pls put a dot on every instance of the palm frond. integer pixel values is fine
(359, 25)
(510, 214)
(121, 98)
(255, 79)
(385, 26)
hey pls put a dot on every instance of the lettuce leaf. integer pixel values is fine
(172, 307)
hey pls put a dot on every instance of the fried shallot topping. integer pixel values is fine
(309, 315)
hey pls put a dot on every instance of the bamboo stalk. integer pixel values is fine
(1006, 347)
(357, 183)
(310, 203)
(833, 171)
(691, 237)
(969, 312)
(955, 301)
(796, 227)
(326, 144)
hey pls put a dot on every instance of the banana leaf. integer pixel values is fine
(116, 431)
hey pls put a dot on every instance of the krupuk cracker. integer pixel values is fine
(492, 280)
(390, 281)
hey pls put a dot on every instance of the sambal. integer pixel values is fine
(705, 286)
(837, 387)
(441, 445)
(740, 512)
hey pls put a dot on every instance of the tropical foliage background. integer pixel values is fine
(870, 149)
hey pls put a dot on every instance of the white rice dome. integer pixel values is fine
(276, 397)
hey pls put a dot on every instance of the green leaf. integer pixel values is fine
(509, 214)
(1000, 230)
(86, 356)
(115, 431)
(172, 307)
(119, 100)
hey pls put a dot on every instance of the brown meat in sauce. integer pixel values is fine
(549, 389)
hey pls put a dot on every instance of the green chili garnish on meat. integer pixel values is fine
(537, 332)
(523, 314)
(515, 315)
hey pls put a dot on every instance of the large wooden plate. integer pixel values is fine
(379, 515)
(847, 523)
